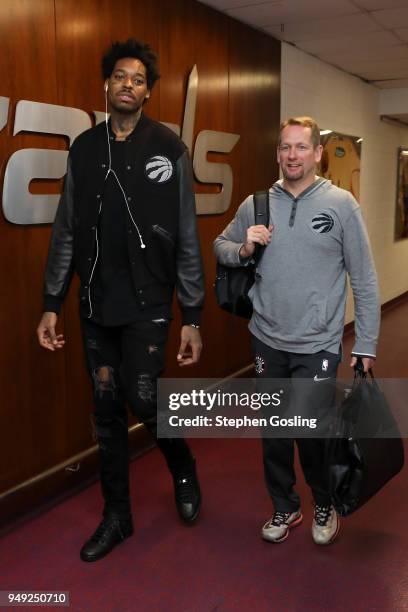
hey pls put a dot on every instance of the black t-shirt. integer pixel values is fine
(112, 291)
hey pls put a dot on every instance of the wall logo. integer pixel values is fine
(322, 223)
(159, 169)
(25, 208)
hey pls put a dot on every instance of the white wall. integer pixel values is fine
(346, 104)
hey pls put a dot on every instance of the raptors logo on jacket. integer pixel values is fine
(159, 169)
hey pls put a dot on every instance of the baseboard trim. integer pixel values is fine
(52, 486)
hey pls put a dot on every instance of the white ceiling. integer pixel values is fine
(367, 38)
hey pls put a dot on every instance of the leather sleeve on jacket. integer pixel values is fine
(190, 276)
(59, 268)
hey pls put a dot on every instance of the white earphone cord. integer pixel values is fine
(142, 244)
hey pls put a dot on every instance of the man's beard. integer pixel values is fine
(293, 177)
(126, 110)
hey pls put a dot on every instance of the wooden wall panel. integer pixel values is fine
(33, 386)
(45, 416)
(180, 50)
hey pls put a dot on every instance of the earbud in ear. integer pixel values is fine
(106, 86)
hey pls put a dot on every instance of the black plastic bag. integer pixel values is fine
(367, 450)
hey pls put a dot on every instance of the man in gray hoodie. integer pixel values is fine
(315, 238)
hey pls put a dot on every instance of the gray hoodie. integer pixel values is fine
(299, 297)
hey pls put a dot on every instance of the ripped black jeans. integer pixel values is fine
(124, 363)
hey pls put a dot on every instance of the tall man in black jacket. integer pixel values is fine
(126, 224)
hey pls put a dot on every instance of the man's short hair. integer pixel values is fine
(135, 49)
(308, 122)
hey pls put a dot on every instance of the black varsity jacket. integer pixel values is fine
(159, 193)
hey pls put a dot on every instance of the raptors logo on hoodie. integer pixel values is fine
(322, 223)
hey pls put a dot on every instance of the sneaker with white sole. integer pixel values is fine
(326, 524)
(277, 528)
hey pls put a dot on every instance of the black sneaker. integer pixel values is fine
(187, 493)
(110, 532)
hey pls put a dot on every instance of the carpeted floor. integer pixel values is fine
(221, 563)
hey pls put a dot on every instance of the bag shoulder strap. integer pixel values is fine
(261, 206)
(261, 210)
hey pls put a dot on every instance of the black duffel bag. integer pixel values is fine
(367, 450)
(233, 284)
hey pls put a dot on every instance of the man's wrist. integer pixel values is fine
(242, 253)
(191, 314)
(52, 303)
